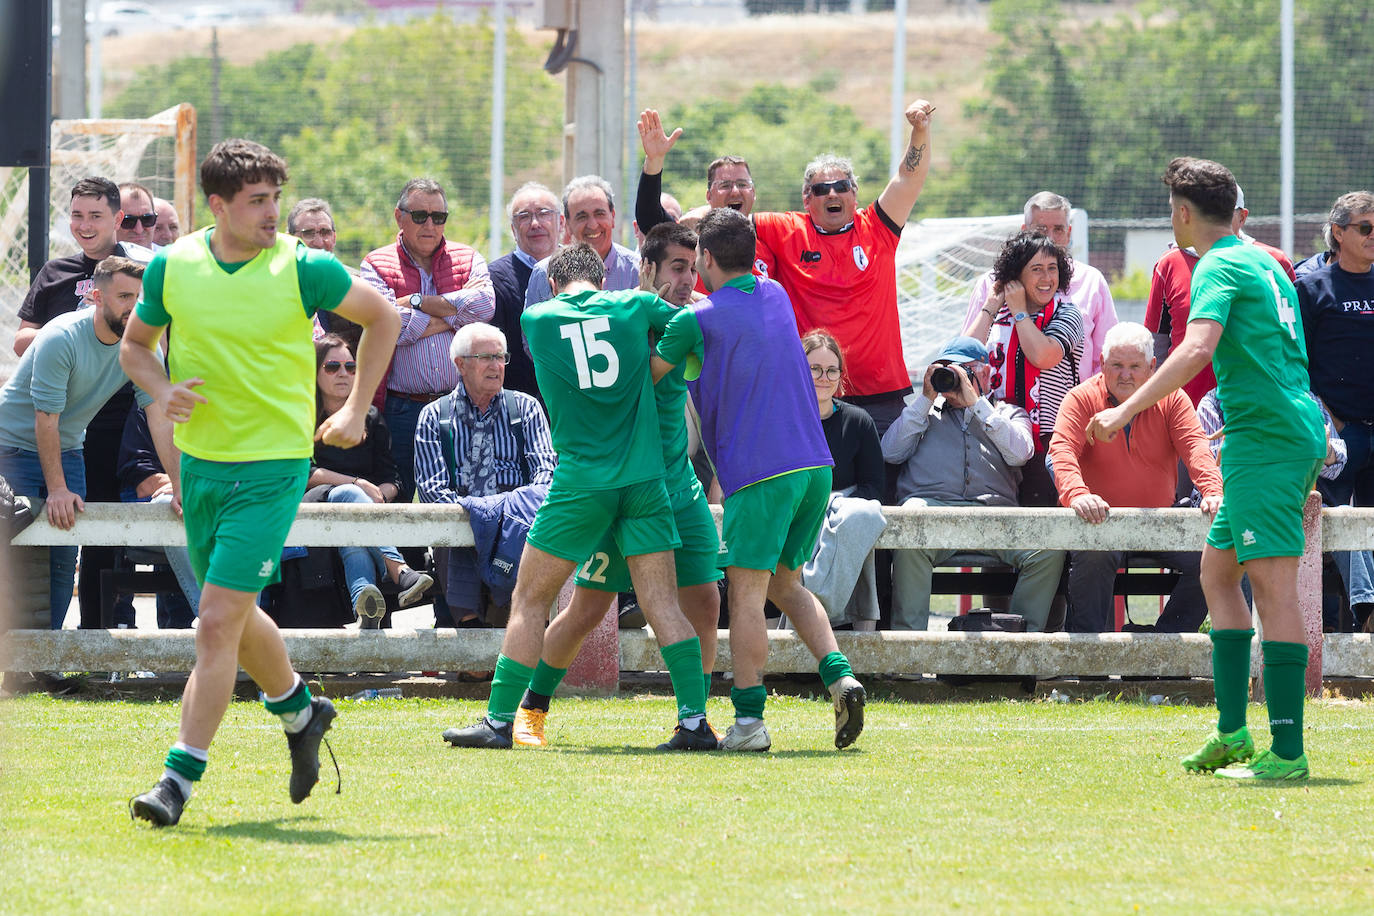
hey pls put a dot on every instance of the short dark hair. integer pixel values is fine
(95, 186)
(140, 188)
(1209, 186)
(729, 236)
(115, 264)
(1018, 251)
(237, 162)
(655, 246)
(577, 262)
(424, 186)
(721, 163)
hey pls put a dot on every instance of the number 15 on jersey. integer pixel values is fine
(585, 346)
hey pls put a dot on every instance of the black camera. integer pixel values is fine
(944, 380)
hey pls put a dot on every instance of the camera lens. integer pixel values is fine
(944, 380)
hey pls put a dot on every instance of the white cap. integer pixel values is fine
(1240, 198)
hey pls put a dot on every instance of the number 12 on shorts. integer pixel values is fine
(582, 336)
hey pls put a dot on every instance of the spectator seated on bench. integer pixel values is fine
(142, 479)
(959, 448)
(488, 449)
(841, 573)
(365, 473)
(1139, 468)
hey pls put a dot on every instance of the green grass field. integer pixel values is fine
(1008, 807)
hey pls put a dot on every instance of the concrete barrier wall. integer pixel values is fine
(334, 651)
(891, 652)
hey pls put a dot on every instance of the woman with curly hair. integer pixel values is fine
(1034, 336)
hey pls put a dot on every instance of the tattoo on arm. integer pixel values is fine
(914, 155)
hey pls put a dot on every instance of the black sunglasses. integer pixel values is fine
(149, 220)
(418, 217)
(1363, 228)
(823, 188)
(333, 366)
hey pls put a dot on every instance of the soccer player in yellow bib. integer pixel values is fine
(240, 298)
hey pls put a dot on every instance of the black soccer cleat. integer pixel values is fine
(305, 749)
(701, 738)
(482, 733)
(849, 697)
(161, 805)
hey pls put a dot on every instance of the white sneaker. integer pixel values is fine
(752, 737)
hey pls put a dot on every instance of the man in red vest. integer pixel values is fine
(438, 286)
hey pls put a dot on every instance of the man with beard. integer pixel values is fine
(63, 380)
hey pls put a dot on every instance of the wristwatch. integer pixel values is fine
(1018, 316)
(415, 300)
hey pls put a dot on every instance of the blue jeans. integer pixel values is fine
(174, 611)
(1356, 480)
(362, 565)
(25, 476)
(402, 416)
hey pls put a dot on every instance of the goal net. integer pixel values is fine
(158, 152)
(938, 263)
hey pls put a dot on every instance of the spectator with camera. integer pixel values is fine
(958, 444)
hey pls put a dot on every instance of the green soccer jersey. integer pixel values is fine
(670, 394)
(591, 357)
(1261, 359)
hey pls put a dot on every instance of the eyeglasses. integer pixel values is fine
(823, 188)
(831, 374)
(418, 217)
(525, 217)
(739, 184)
(488, 357)
(333, 366)
(1363, 228)
(149, 220)
(307, 235)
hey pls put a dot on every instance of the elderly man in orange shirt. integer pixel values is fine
(1139, 468)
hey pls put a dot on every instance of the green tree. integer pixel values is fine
(358, 119)
(1096, 112)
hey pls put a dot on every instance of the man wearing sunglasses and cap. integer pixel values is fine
(438, 286)
(958, 446)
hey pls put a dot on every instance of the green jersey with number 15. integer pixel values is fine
(591, 356)
(1261, 359)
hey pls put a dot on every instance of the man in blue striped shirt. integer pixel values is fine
(487, 451)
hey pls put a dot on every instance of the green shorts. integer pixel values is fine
(1261, 509)
(605, 569)
(637, 518)
(237, 516)
(775, 522)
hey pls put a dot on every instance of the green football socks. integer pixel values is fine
(545, 681)
(185, 765)
(1285, 691)
(684, 670)
(748, 701)
(292, 707)
(508, 684)
(1231, 676)
(833, 667)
